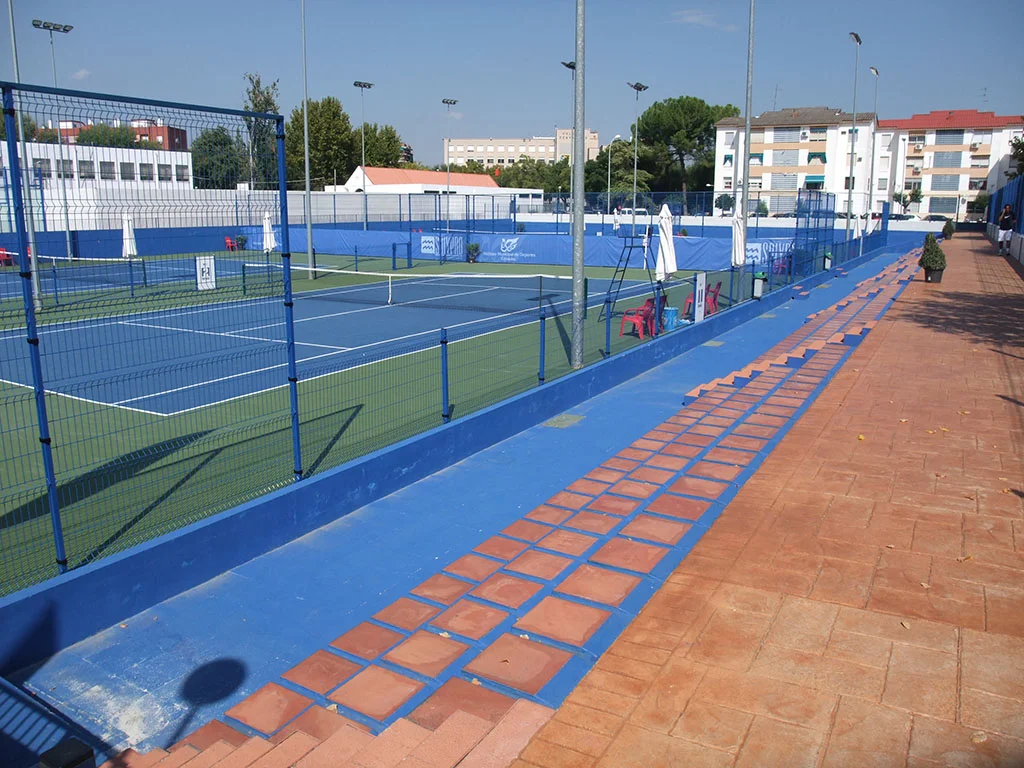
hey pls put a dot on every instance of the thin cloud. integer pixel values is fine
(699, 18)
(81, 74)
(456, 115)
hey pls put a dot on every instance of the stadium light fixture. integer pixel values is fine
(639, 88)
(608, 199)
(51, 27)
(363, 87)
(448, 104)
(871, 172)
(853, 133)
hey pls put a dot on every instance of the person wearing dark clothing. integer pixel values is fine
(1007, 221)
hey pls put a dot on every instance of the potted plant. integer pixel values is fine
(241, 240)
(472, 252)
(948, 229)
(932, 259)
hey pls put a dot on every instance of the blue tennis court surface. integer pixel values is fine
(173, 361)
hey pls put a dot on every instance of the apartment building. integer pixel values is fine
(951, 156)
(154, 131)
(793, 149)
(499, 152)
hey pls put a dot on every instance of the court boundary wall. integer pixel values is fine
(46, 618)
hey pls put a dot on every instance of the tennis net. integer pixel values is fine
(474, 292)
(87, 274)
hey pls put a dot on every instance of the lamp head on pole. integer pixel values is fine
(569, 65)
(449, 102)
(362, 85)
(638, 87)
(855, 37)
(51, 26)
(873, 71)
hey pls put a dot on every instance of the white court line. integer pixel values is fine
(85, 399)
(235, 335)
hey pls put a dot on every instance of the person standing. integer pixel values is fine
(1007, 221)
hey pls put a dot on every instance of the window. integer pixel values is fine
(754, 184)
(814, 185)
(42, 168)
(949, 137)
(86, 169)
(883, 184)
(730, 137)
(785, 156)
(65, 169)
(982, 138)
(847, 184)
(977, 184)
(948, 159)
(163, 172)
(533, 149)
(501, 148)
(501, 161)
(757, 158)
(784, 181)
(980, 161)
(181, 172)
(727, 182)
(728, 161)
(757, 136)
(127, 171)
(480, 148)
(911, 184)
(819, 133)
(916, 138)
(787, 134)
(522, 147)
(885, 138)
(942, 205)
(816, 158)
(145, 171)
(460, 148)
(947, 183)
(490, 148)
(107, 171)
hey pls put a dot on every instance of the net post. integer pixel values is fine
(446, 413)
(243, 278)
(607, 326)
(286, 259)
(543, 334)
(32, 334)
(408, 253)
(394, 252)
(771, 270)
(732, 275)
(131, 279)
(356, 249)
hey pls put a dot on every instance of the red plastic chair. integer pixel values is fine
(6, 259)
(640, 317)
(230, 244)
(711, 302)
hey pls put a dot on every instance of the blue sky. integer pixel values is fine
(501, 59)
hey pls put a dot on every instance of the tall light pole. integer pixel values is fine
(740, 254)
(639, 88)
(571, 66)
(51, 27)
(448, 104)
(578, 156)
(363, 87)
(853, 133)
(608, 200)
(308, 202)
(871, 172)
(29, 216)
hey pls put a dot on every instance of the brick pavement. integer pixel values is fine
(860, 601)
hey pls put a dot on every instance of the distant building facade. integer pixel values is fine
(500, 152)
(155, 131)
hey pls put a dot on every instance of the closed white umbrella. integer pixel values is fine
(666, 263)
(739, 241)
(269, 241)
(128, 246)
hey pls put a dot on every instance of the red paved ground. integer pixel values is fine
(861, 601)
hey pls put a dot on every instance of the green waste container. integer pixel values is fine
(760, 280)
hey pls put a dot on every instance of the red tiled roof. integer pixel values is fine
(953, 118)
(404, 176)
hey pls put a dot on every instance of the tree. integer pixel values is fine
(762, 208)
(102, 135)
(383, 146)
(979, 204)
(685, 128)
(725, 203)
(28, 125)
(47, 136)
(905, 199)
(1016, 158)
(333, 149)
(261, 141)
(218, 160)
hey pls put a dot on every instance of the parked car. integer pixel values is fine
(900, 217)
(785, 215)
(936, 217)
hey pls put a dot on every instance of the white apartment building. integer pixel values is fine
(498, 152)
(950, 155)
(795, 149)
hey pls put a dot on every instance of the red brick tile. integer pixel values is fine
(562, 620)
(321, 672)
(442, 589)
(567, 542)
(716, 471)
(469, 567)
(470, 619)
(457, 695)
(288, 752)
(761, 695)
(269, 708)
(539, 564)
(599, 585)
(509, 737)
(678, 506)
(922, 681)
(206, 736)
(728, 456)
(549, 515)
(367, 641)
(604, 475)
(668, 695)
(634, 489)
(673, 463)
(942, 743)
(770, 742)
(629, 555)
(339, 747)
(632, 454)
(507, 590)
(501, 548)
(659, 434)
(452, 741)
(641, 748)
(759, 431)
(426, 653)
(570, 500)
(613, 505)
(620, 464)
(984, 663)
(655, 529)
(692, 438)
(649, 475)
(589, 521)
(692, 486)
(680, 450)
(588, 487)
(524, 529)
(763, 420)
(713, 726)
(522, 664)
(731, 639)
(647, 445)
(319, 723)
(376, 692)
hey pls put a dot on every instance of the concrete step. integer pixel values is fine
(210, 756)
(392, 746)
(130, 758)
(509, 737)
(246, 755)
(288, 752)
(337, 749)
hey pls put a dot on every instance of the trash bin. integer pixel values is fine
(671, 316)
(828, 261)
(760, 278)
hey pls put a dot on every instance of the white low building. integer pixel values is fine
(403, 181)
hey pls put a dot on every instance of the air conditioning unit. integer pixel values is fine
(918, 147)
(804, 135)
(916, 171)
(975, 146)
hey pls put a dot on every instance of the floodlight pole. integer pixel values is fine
(362, 86)
(571, 66)
(51, 27)
(448, 104)
(639, 88)
(745, 181)
(579, 298)
(29, 216)
(308, 201)
(608, 200)
(853, 133)
(871, 172)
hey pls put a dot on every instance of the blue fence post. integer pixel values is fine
(394, 254)
(732, 274)
(543, 333)
(771, 270)
(356, 249)
(131, 279)
(236, 213)
(31, 333)
(7, 203)
(446, 413)
(42, 198)
(286, 259)
(408, 253)
(334, 200)
(607, 326)
(399, 212)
